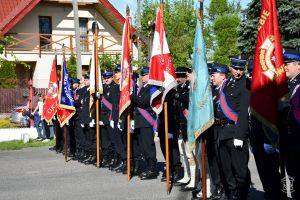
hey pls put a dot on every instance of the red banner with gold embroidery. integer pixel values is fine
(269, 79)
(50, 105)
(126, 70)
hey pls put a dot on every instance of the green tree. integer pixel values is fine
(180, 23)
(71, 66)
(288, 19)
(224, 19)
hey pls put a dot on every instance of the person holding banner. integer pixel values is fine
(121, 164)
(144, 125)
(231, 122)
(291, 135)
(105, 117)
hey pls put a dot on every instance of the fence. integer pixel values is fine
(10, 97)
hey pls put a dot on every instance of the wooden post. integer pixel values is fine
(167, 147)
(201, 16)
(65, 142)
(97, 90)
(128, 145)
(128, 109)
(31, 101)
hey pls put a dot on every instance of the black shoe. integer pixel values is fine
(122, 168)
(52, 148)
(187, 189)
(91, 160)
(105, 163)
(181, 184)
(148, 175)
(117, 166)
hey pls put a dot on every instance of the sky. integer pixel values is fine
(120, 5)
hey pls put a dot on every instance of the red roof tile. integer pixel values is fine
(12, 11)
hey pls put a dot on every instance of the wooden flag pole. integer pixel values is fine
(128, 145)
(166, 129)
(96, 99)
(65, 142)
(128, 111)
(201, 16)
(167, 147)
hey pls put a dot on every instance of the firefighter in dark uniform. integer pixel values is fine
(231, 122)
(74, 85)
(291, 135)
(144, 123)
(79, 136)
(218, 75)
(105, 117)
(85, 120)
(181, 102)
(174, 154)
(121, 163)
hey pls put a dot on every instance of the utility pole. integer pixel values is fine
(139, 30)
(77, 39)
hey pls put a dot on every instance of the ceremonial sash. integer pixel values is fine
(149, 118)
(107, 105)
(229, 113)
(295, 102)
(185, 113)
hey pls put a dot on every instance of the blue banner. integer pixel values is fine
(201, 115)
(66, 99)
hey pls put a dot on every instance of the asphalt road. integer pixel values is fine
(40, 174)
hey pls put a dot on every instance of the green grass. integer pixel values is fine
(5, 123)
(18, 144)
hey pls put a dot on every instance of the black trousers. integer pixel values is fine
(213, 158)
(267, 164)
(106, 141)
(58, 135)
(291, 156)
(234, 163)
(173, 148)
(119, 142)
(90, 133)
(72, 139)
(47, 129)
(147, 144)
(79, 136)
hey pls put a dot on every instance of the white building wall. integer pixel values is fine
(62, 23)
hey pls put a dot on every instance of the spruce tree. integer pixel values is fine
(288, 13)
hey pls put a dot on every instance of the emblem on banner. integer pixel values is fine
(266, 57)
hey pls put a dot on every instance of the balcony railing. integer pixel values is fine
(46, 43)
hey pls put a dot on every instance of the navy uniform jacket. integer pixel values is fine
(171, 115)
(142, 100)
(237, 96)
(293, 125)
(115, 100)
(105, 112)
(182, 102)
(82, 105)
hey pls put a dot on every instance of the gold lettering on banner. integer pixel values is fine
(263, 18)
(265, 58)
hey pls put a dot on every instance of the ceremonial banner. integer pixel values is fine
(162, 76)
(93, 77)
(268, 80)
(50, 105)
(126, 69)
(66, 107)
(201, 115)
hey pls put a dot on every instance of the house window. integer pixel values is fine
(83, 29)
(45, 28)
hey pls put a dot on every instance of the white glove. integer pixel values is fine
(238, 143)
(156, 138)
(92, 123)
(112, 124)
(170, 135)
(131, 126)
(101, 123)
(82, 125)
(119, 126)
(98, 95)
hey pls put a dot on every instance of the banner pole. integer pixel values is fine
(65, 143)
(96, 99)
(167, 147)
